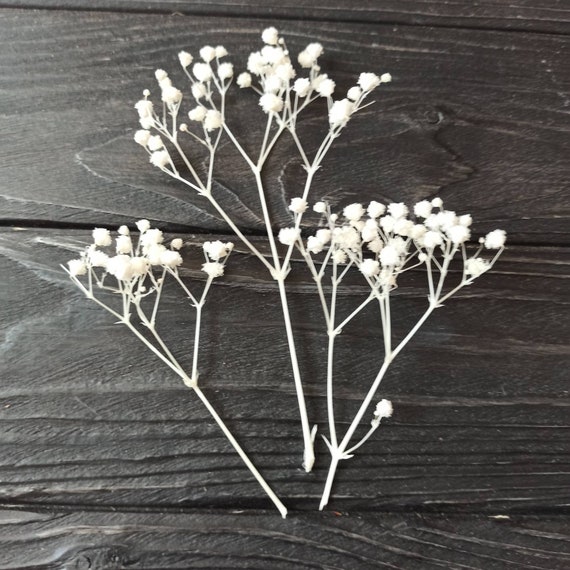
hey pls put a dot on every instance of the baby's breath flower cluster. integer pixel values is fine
(383, 241)
(380, 241)
(134, 269)
(285, 86)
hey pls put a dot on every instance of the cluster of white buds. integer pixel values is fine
(383, 410)
(216, 254)
(278, 81)
(385, 240)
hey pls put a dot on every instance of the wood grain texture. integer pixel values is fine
(89, 417)
(45, 539)
(551, 16)
(478, 117)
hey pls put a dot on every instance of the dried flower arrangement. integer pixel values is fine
(380, 241)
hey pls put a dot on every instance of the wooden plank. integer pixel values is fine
(89, 417)
(65, 538)
(478, 117)
(551, 16)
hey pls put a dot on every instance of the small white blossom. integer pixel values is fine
(326, 88)
(353, 212)
(141, 137)
(139, 266)
(418, 231)
(170, 258)
(197, 113)
(185, 58)
(324, 236)
(385, 78)
(225, 71)
(370, 267)
(120, 267)
(375, 245)
(270, 36)
(221, 51)
(123, 244)
(285, 72)
(98, 258)
(155, 143)
(320, 207)
(314, 244)
(403, 226)
(384, 409)
(213, 120)
(368, 81)
(288, 236)
(495, 239)
(160, 75)
(143, 225)
(347, 238)
(370, 230)
(315, 50)
(375, 209)
(123, 230)
(144, 108)
(302, 86)
(217, 250)
(465, 220)
(176, 243)
(256, 63)
(432, 239)
(446, 219)
(213, 269)
(339, 256)
(170, 95)
(77, 267)
(398, 210)
(272, 84)
(244, 80)
(271, 103)
(476, 266)
(160, 158)
(298, 205)
(153, 253)
(102, 237)
(199, 91)
(387, 223)
(151, 237)
(437, 202)
(208, 53)
(340, 112)
(458, 234)
(305, 59)
(202, 71)
(423, 209)
(389, 256)
(354, 93)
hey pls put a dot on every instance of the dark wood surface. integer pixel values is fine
(107, 461)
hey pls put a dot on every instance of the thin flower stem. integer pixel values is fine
(332, 332)
(157, 298)
(354, 313)
(309, 454)
(270, 493)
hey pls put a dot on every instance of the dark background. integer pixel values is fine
(107, 461)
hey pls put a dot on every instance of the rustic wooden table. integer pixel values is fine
(107, 461)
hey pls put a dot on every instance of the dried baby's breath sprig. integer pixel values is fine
(284, 92)
(135, 271)
(382, 242)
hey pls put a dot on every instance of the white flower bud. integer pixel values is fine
(320, 207)
(221, 51)
(244, 80)
(213, 120)
(124, 244)
(353, 212)
(102, 237)
(170, 95)
(144, 108)
(98, 258)
(437, 203)
(160, 158)
(458, 234)
(398, 210)
(495, 239)
(160, 75)
(385, 78)
(216, 250)
(298, 205)
(197, 114)
(368, 81)
(375, 209)
(155, 143)
(432, 239)
(288, 236)
(169, 258)
(202, 71)
(198, 91)
(326, 87)
(271, 103)
(120, 267)
(315, 50)
(185, 58)
(354, 93)
(476, 266)
(77, 267)
(141, 137)
(389, 256)
(207, 53)
(314, 244)
(213, 269)
(422, 209)
(302, 86)
(176, 243)
(143, 225)
(369, 267)
(340, 112)
(270, 36)
(383, 409)
(225, 71)
(305, 59)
